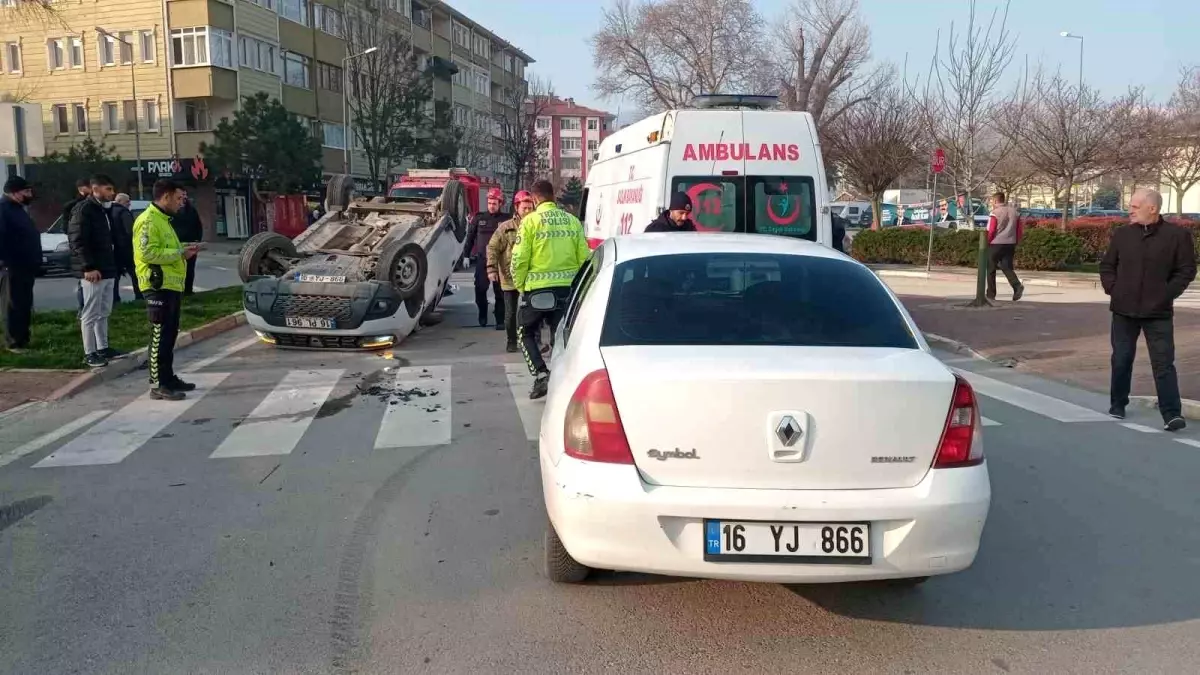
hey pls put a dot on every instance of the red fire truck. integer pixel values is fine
(428, 184)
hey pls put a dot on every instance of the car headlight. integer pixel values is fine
(65, 246)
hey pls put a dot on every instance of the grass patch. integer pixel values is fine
(57, 342)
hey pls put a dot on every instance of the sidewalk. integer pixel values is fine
(967, 275)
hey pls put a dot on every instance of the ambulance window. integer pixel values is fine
(782, 205)
(715, 202)
(583, 208)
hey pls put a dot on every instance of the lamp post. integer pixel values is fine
(1072, 36)
(346, 102)
(137, 127)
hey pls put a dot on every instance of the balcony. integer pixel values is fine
(422, 37)
(187, 143)
(204, 82)
(187, 13)
(570, 153)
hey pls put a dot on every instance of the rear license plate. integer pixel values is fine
(322, 279)
(768, 542)
(45, 259)
(307, 322)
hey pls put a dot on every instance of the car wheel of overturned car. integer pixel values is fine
(255, 259)
(560, 566)
(454, 205)
(339, 192)
(404, 266)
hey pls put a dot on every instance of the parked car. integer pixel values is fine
(56, 250)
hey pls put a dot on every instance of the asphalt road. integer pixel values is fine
(398, 530)
(213, 270)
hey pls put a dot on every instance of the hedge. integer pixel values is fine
(1044, 247)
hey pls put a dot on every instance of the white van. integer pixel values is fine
(747, 169)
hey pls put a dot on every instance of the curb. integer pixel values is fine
(136, 359)
(1191, 409)
(950, 276)
(956, 346)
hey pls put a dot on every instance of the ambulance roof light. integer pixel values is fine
(750, 101)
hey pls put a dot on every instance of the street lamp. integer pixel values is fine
(346, 103)
(1072, 36)
(137, 127)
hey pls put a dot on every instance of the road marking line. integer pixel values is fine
(990, 422)
(224, 353)
(218, 267)
(519, 383)
(128, 429)
(1188, 441)
(48, 438)
(280, 420)
(1140, 427)
(1032, 401)
(418, 411)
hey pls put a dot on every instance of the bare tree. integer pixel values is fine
(518, 127)
(1074, 136)
(661, 54)
(389, 95)
(876, 142)
(1013, 173)
(43, 12)
(1179, 147)
(820, 59)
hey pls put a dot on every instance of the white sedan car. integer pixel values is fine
(757, 408)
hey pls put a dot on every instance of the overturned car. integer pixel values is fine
(364, 276)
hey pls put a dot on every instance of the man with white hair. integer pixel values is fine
(1149, 263)
(122, 229)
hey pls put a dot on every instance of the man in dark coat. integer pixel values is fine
(1148, 265)
(190, 230)
(122, 228)
(20, 259)
(94, 261)
(479, 233)
(677, 217)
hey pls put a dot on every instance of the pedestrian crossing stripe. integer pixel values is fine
(280, 420)
(530, 411)
(418, 409)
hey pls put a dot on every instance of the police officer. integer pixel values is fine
(677, 217)
(549, 250)
(483, 226)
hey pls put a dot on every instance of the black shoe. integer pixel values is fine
(482, 321)
(499, 325)
(1020, 290)
(1117, 412)
(179, 385)
(1176, 424)
(164, 394)
(540, 386)
(111, 354)
(511, 348)
(95, 360)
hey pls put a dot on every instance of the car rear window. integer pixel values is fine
(751, 299)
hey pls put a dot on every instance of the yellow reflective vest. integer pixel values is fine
(157, 253)
(549, 249)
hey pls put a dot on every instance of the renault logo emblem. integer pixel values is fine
(788, 431)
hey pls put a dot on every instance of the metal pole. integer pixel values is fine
(346, 112)
(932, 224)
(19, 125)
(137, 127)
(1081, 67)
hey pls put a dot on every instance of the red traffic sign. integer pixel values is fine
(939, 160)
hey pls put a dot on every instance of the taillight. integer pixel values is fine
(959, 446)
(593, 430)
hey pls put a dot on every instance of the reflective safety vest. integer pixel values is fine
(157, 253)
(550, 248)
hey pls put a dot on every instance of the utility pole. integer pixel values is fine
(137, 126)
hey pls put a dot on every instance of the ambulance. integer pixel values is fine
(746, 166)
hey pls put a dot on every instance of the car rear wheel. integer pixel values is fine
(454, 205)
(339, 192)
(259, 256)
(404, 266)
(560, 566)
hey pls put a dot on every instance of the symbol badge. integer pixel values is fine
(788, 431)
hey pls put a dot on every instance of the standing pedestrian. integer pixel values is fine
(122, 222)
(20, 259)
(483, 225)
(161, 265)
(83, 188)
(1003, 233)
(677, 217)
(1148, 265)
(549, 250)
(94, 262)
(499, 264)
(190, 230)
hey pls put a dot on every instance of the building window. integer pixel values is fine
(423, 18)
(149, 48)
(406, 5)
(150, 112)
(482, 45)
(593, 145)
(329, 77)
(568, 124)
(125, 39)
(462, 35)
(569, 144)
(461, 115)
(267, 60)
(111, 117)
(56, 56)
(61, 125)
(296, 70)
(483, 82)
(570, 163)
(327, 19)
(543, 123)
(189, 47)
(12, 56)
(593, 123)
(196, 116)
(463, 77)
(81, 120)
(129, 112)
(75, 51)
(333, 135)
(508, 63)
(106, 49)
(294, 10)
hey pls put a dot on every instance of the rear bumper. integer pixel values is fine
(363, 309)
(56, 261)
(609, 519)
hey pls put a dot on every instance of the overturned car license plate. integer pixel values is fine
(307, 322)
(322, 279)
(751, 541)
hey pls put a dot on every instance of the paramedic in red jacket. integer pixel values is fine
(1003, 233)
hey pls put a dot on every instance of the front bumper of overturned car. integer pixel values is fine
(366, 314)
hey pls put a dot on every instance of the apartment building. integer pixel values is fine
(570, 136)
(191, 62)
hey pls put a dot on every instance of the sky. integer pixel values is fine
(1126, 42)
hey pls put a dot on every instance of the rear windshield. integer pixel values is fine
(751, 299)
(416, 192)
(780, 205)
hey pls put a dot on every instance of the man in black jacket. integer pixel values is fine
(677, 217)
(121, 219)
(189, 229)
(479, 233)
(83, 188)
(20, 258)
(1149, 263)
(94, 261)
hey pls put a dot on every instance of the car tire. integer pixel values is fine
(253, 260)
(404, 266)
(454, 206)
(339, 192)
(561, 568)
